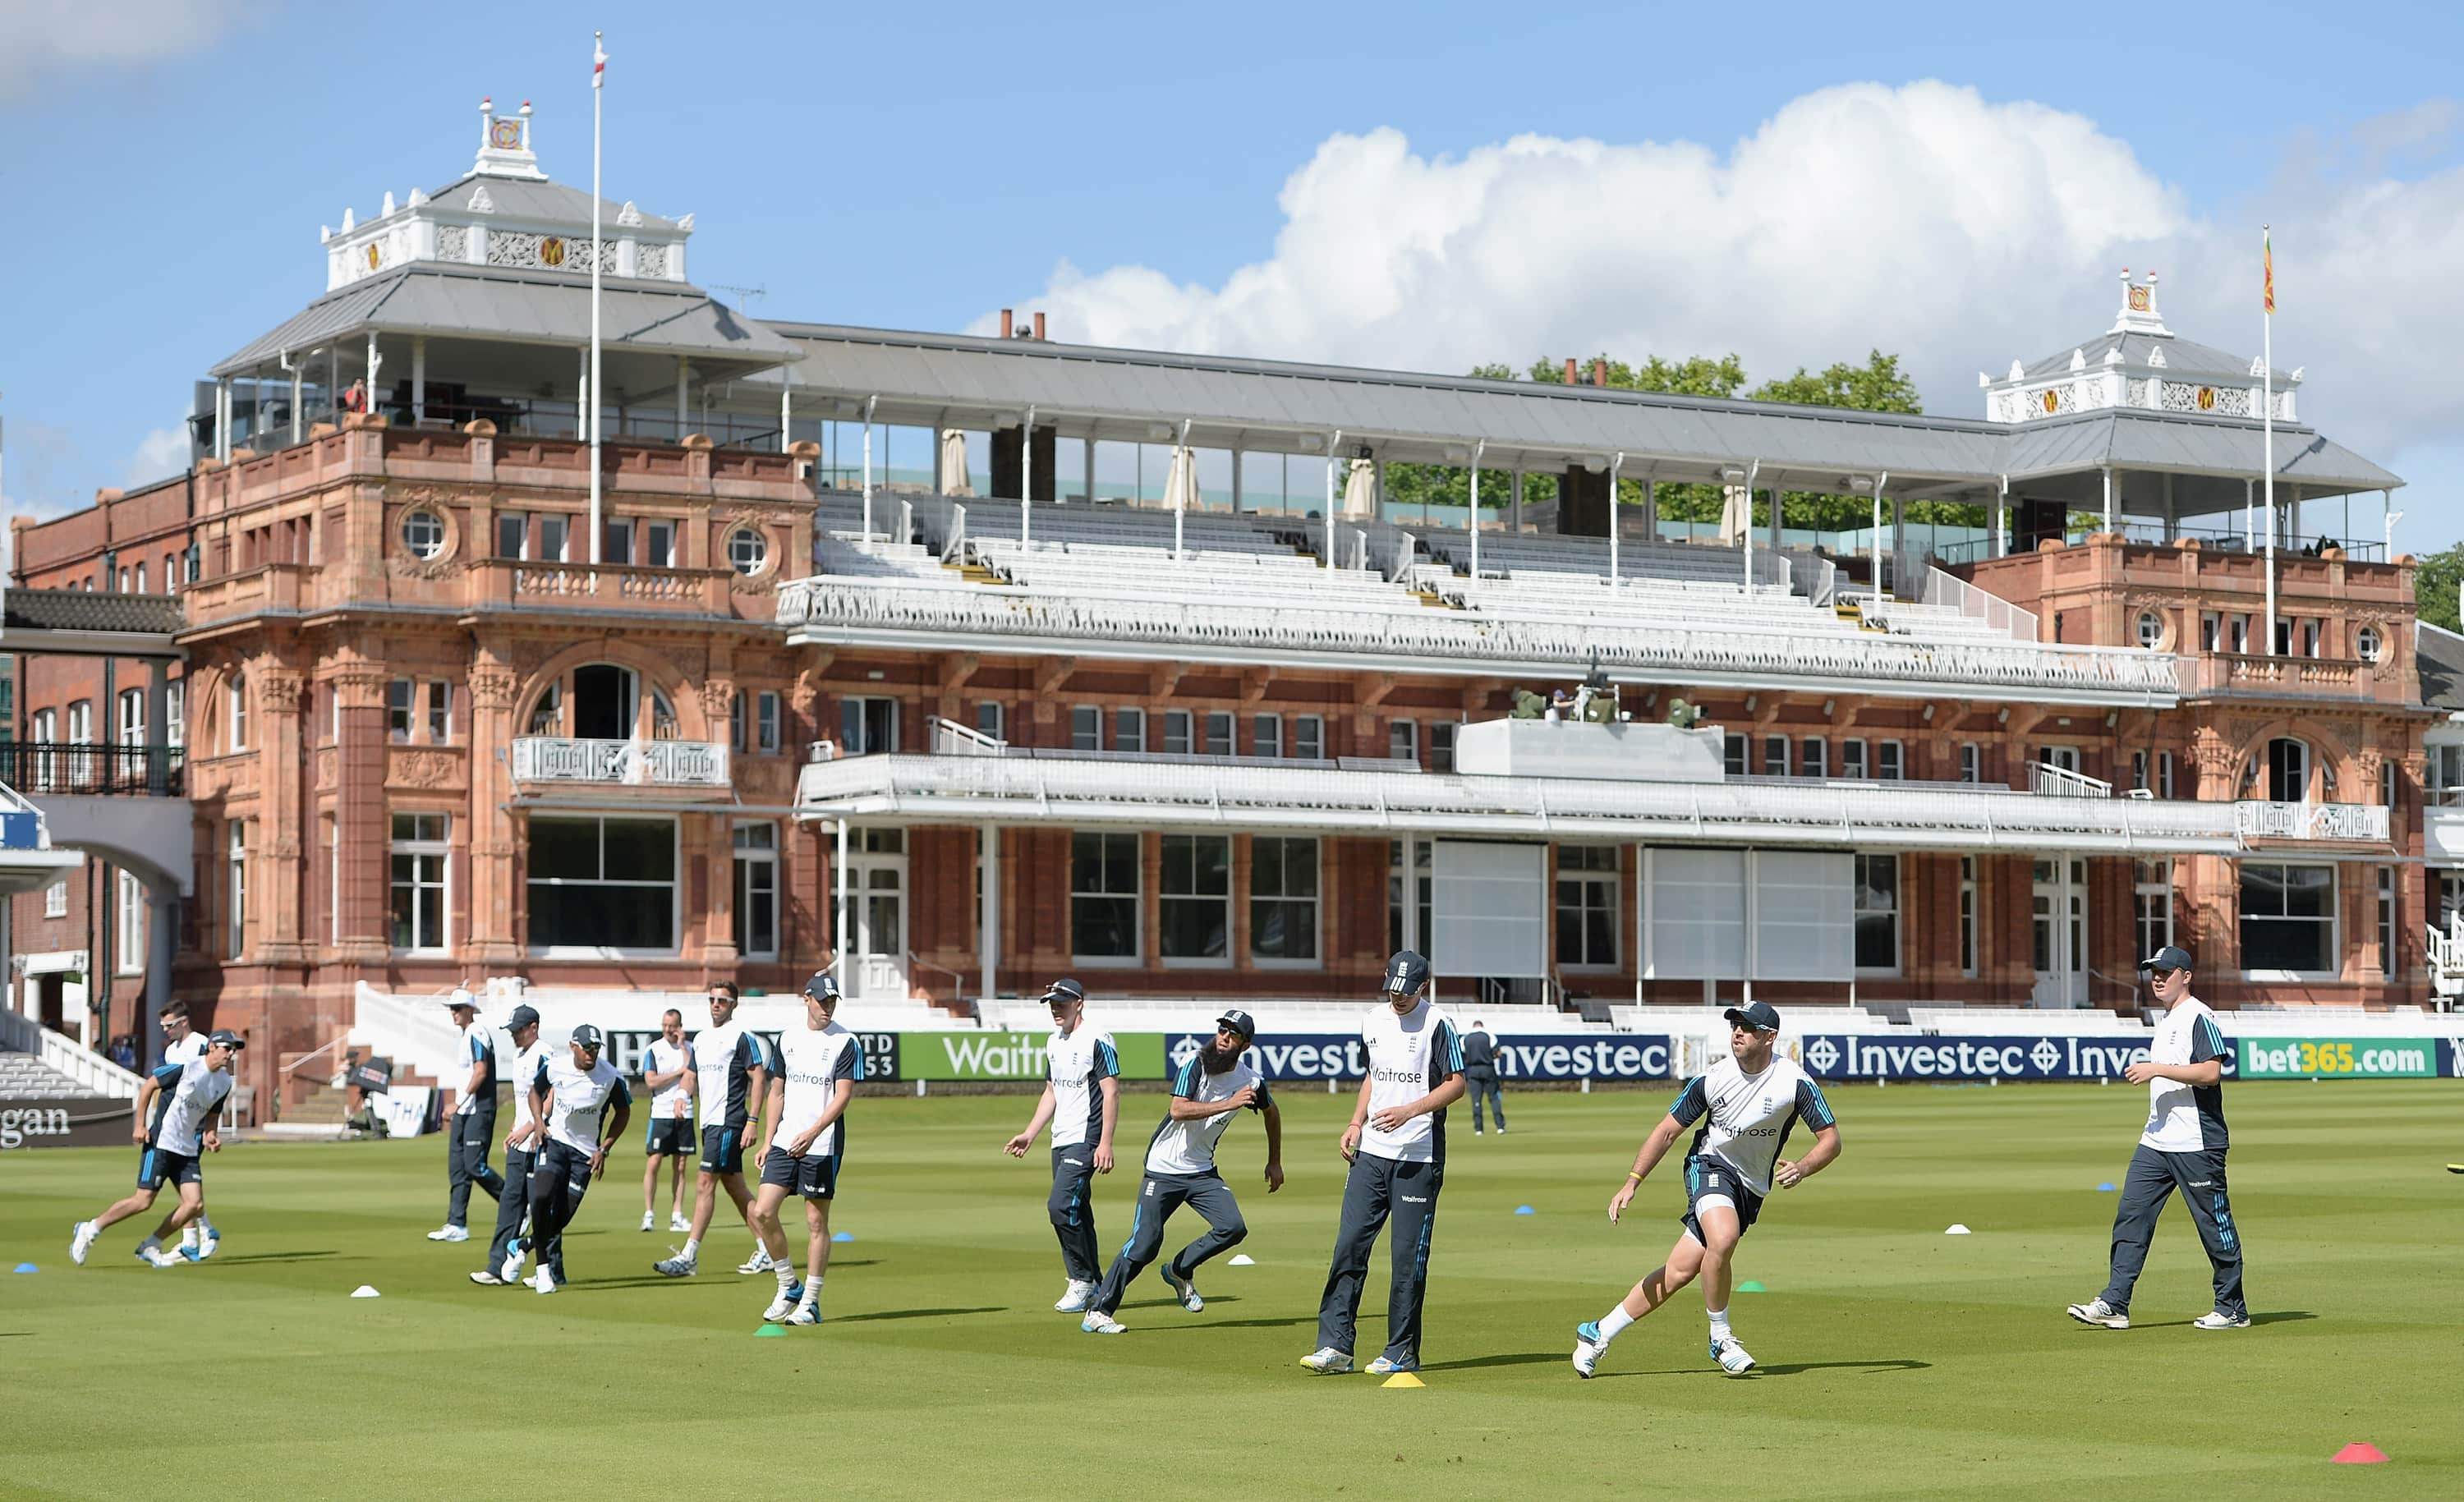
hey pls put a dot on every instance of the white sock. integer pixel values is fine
(786, 1278)
(188, 1234)
(1614, 1320)
(205, 1224)
(812, 1293)
(693, 1248)
(1719, 1325)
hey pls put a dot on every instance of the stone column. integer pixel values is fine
(280, 810)
(489, 921)
(360, 834)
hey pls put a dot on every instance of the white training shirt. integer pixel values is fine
(1073, 1064)
(579, 1098)
(671, 1101)
(186, 1104)
(2185, 1119)
(1189, 1146)
(1747, 1118)
(814, 1060)
(1409, 1056)
(526, 1070)
(194, 1046)
(725, 1058)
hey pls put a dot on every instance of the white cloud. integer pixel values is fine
(1924, 220)
(37, 36)
(162, 453)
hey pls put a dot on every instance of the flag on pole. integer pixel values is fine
(2267, 259)
(598, 68)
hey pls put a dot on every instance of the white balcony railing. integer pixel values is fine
(2048, 781)
(91, 1071)
(836, 609)
(2354, 822)
(552, 758)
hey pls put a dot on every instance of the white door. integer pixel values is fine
(2059, 933)
(877, 922)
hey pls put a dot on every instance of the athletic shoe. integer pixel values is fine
(1501, 1130)
(1074, 1299)
(1732, 1356)
(760, 1263)
(189, 1253)
(81, 1241)
(486, 1279)
(154, 1255)
(1187, 1289)
(649, 1220)
(2218, 1320)
(208, 1243)
(545, 1282)
(1589, 1348)
(1388, 1366)
(1327, 1361)
(785, 1304)
(803, 1315)
(1475, 1131)
(675, 1266)
(509, 1270)
(2097, 1312)
(680, 1225)
(450, 1233)
(1099, 1322)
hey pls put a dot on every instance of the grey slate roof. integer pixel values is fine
(2439, 655)
(498, 304)
(2184, 358)
(551, 203)
(2225, 447)
(88, 610)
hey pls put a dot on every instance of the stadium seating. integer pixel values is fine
(24, 1077)
(1273, 1016)
(1990, 1022)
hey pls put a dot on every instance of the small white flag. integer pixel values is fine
(597, 62)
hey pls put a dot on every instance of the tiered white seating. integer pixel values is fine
(1653, 602)
(1506, 552)
(851, 554)
(1273, 1016)
(2328, 1022)
(1937, 623)
(24, 1077)
(996, 521)
(1098, 569)
(1798, 1017)
(1996, 1021)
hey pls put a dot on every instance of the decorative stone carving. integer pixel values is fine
(326, 768)
(716, 693)
(423, 769)
(279, 691)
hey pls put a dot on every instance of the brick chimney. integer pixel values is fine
(1570, 370)
(1600, 374)
(1006, 323)
(1039, 326)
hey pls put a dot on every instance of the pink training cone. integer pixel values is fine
(2361, 1453)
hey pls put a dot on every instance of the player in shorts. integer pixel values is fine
(175, 1125)
(1747, 1103)
(818, 1064)
(732, 1075)
(181, 1043)
(668, 1076)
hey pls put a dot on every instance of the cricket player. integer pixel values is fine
(1397, 1145)
(2183, 1147)
(817, 1067)
(1082, 1099)
(176, 1107)
(1180, 1171)
(1480, 1075)
(575, 1095)
(181, 1043)
(731, 1076)
(667, 1074)
(1747, 1103)
(522, 1157)
(472, 1127)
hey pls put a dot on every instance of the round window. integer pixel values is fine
(746, 550)
(423, 532)
(2368, 644)
(2151, 629)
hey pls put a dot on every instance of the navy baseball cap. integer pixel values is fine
(823, 987)
(1758, 1016)
(1064, 990)
(1240, 1022)
(2171, 957)
(225, 1037)
(587, 1037)
(522, 1018)
(1406, 972)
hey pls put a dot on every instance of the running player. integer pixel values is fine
(181, 1043)
(1180, 1171)
(732, 1075)
(1747, 1102)
(574, 1094)
(176, 1107)
(1082, 1099)
(817, 1067)
(1397, 1145)
(472, 1128)
(522, 1157)
(667, 1072)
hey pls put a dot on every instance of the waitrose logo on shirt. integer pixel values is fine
(2325, 1058)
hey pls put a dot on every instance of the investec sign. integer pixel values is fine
(1340, 1056)
(1836, 1056)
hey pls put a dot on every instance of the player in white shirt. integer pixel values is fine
(573, 1097)
(181, 1043)
(176, 1107)
(817, 1067)
(1082, 1099)
(471, 1129)
(1212, 1084)
(2181, 1147)
(1397, 1145)
(732, 1069)
(521, 1160)
(1748, 1104)
(667, 1074)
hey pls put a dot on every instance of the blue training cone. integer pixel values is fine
(2104, 1189)
(840, 1236)
(28, 1267)
(1525, 1210)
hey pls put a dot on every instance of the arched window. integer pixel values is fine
(2288, 770)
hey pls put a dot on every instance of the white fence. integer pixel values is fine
(549, 758)
(20, 1033)
(1957, 594)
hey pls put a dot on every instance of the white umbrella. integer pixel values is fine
(1736, 512)
(954, 463)
(1360, 491)
(1181, 489)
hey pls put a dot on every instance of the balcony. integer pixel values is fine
(633, 764)
(47, 768)
(2300, 677)
(2352, 822)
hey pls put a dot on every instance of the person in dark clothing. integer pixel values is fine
(1480, 1075)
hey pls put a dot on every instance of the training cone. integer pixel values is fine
(365, 1291)
(1752, 1288)
(2104, 1189)
(1244, 1260)
(771, 1331)
(1525, 1210)
(28, 1267)
(2361, 1452)
(842, 1235)
(1407, 1379)
(1958, 1231)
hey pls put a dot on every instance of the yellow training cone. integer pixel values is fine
(1403, 1379)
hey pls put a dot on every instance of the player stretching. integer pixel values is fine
(1397, 1146)
(182, 1100)
(181, 1043)
(817, 1067)
(1082, 1099)
(667, 1072)
(732, 1075)
(1180, 1171)
(1747, 1103)
(573, 1095)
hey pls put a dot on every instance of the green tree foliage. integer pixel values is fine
(2435, 583)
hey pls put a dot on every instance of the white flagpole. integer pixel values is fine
(2267, 422)
(598, 80)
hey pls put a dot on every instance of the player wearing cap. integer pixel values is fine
(1480, 1075)
(473, 1127)
(1180, 1171)
(1082, 1099)
(181, 1043)
(732, 1072)
(521, 1159)
(1397, 1145)
(667, 1074)
(2183, 1147)
(574, 1094)
(817, 1067)
(176, 1107)
(1747, 1103)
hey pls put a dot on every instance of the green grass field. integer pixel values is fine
(1897, 1361)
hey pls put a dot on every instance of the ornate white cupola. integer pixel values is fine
(2138, 315)
(2141, 364)
(505, 145)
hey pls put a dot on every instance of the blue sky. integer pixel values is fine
(1426, 186)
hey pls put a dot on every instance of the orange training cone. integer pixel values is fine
(2361, 1453)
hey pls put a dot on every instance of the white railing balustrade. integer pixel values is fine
(2060, 782)
(1951, 592)
(64, 1054)
(552, 758)
(950, 738)
(2263, 821)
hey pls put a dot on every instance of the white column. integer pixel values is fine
(786, 414)
(1651, 507)
(376, 362)
(222, 419)
(1334, 446)
(1900, 545)
(988, 919)
(2249, 514)
(869, 402)
(1517, 511)
(2108, 498)
(1478, 450)
(2002, 520)
(1614, 465)
(1411, 891)
(839, 925)
(419, 377)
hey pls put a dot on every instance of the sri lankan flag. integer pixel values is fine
(2267, 262)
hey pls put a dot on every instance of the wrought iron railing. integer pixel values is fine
(60, 767)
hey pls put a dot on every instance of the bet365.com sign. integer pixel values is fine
(2338, 1058)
